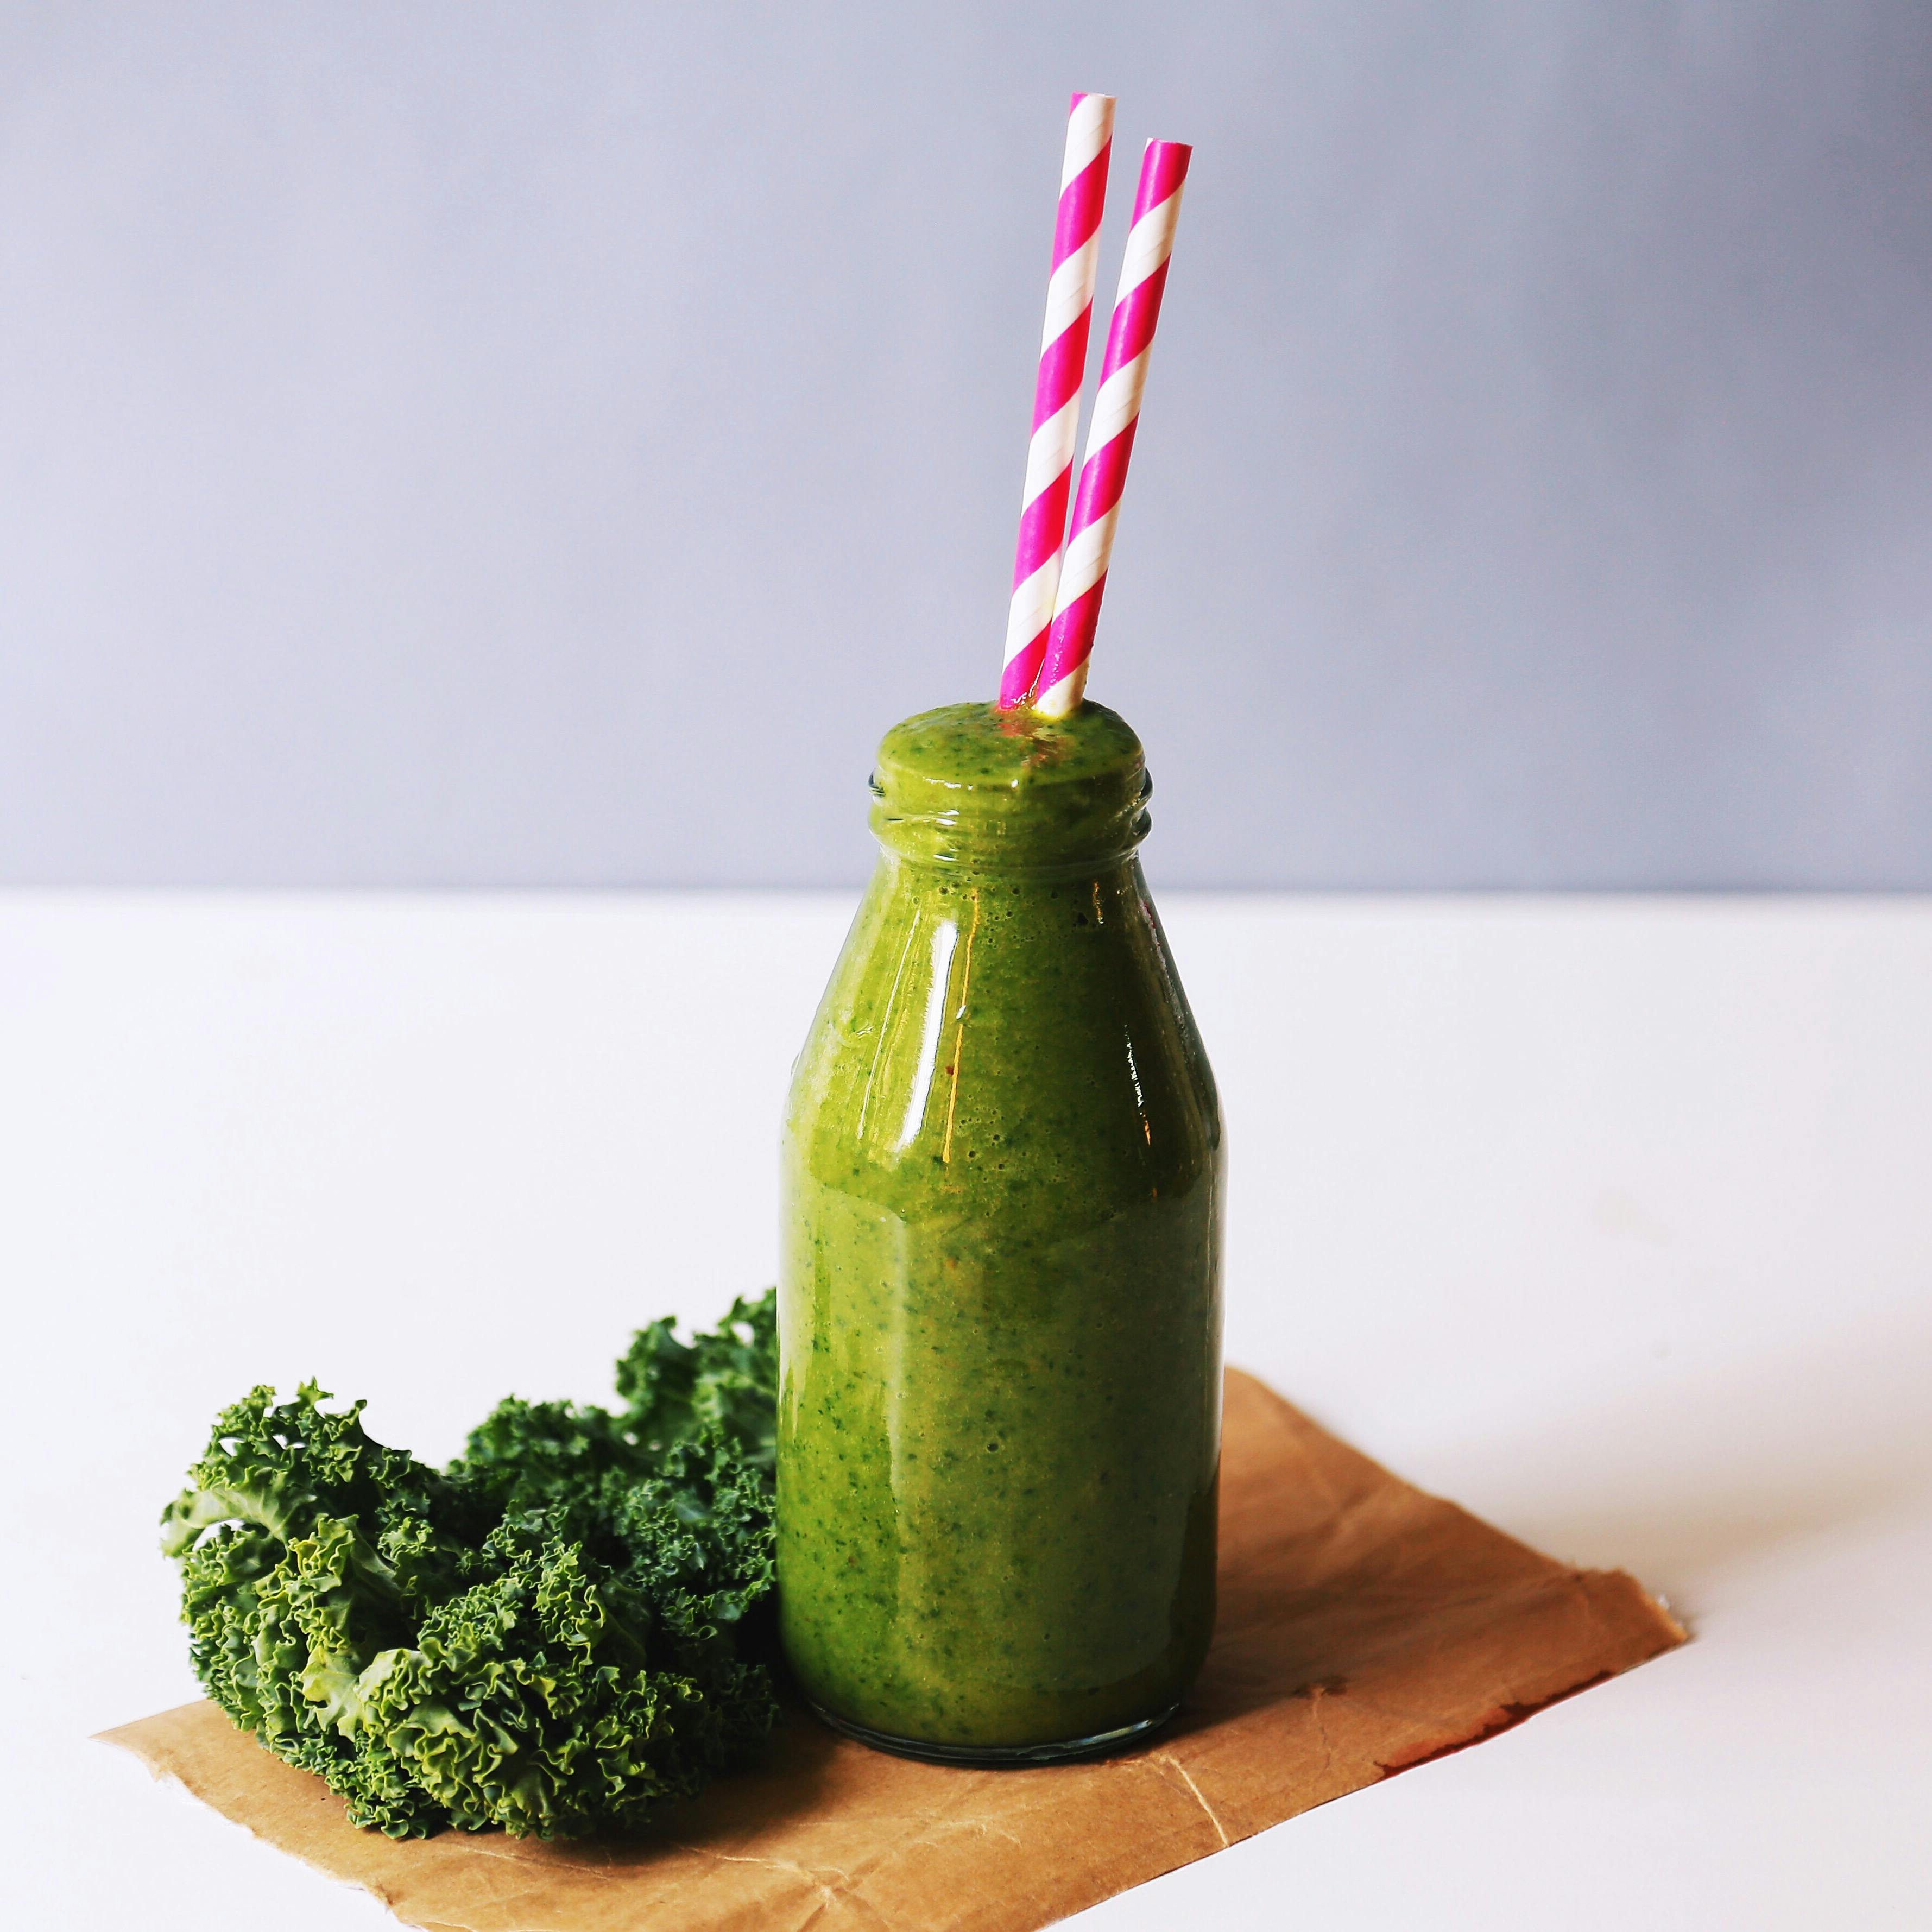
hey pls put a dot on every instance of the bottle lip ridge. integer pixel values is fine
(969, 786)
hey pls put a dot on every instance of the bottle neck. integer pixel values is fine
(974, 790)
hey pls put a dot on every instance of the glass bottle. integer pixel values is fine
(1000, 1309)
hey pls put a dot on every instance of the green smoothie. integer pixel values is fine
(999, 1420)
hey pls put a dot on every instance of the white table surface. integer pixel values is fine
(1611, 1218)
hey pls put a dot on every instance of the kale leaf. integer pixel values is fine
(555, 1635)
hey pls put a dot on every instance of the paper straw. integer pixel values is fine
(1056, 400)
(1110, 436)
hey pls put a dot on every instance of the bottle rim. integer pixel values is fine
(970, 788)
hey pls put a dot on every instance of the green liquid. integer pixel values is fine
(999, 1420)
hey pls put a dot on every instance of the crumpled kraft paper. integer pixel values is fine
(1365, 1628)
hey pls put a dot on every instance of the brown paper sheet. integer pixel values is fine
(1365, 1628)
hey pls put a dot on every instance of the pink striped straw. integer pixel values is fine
(1056, 399)
(1110, 436)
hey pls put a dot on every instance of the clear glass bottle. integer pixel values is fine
(999, 1297)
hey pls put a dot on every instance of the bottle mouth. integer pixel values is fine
(971, 786)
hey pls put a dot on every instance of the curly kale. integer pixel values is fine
(554, 1635)
(723, 1384)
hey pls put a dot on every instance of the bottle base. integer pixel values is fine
(997, 1757)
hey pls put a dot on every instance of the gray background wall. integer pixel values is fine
(484, 444)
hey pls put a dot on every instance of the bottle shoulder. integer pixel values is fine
(990, 1037)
